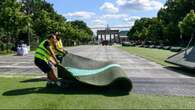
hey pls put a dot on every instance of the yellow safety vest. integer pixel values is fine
(58, 48)
(59, 45)
(43, 53)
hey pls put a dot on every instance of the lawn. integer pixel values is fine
(6, 52)
(157, 55)
(24, 93)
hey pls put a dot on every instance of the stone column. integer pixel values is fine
(119, 38)
(110, 38)
(101, 38)
(114, 38)
(97, 38)
(105, 36)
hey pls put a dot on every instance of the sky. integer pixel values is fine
(100, 13)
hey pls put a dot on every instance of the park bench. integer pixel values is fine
(166, 47)
(152, 46)
(146, 46)
(176, 49)
(159, 47)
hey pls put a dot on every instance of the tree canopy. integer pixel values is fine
(187, 25)
(37, 18)
(165, 27)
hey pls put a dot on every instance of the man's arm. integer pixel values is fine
(60, 47)
(48, 46)
(62, 50)
(53, 55)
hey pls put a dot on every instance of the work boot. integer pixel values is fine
(58, 83)
(51, 84)
(61, 84)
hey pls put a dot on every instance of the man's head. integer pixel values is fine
(57, 35)
(52, 38)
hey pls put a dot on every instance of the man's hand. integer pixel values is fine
(65, 52)
(54, 62)
(58, 63)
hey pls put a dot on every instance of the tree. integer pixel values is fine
(37, 18)
(82, 26)
(187, 25)
(139, 30)
(12, 19)
(170, 15)
(155, 30)
(31, 7)
(42, 24)
(84, 33)
(175, 10)
(165, 27)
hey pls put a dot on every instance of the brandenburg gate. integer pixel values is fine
(108, 35)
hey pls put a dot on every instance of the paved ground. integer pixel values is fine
(148, 77)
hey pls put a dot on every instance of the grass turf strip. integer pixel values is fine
(24, 93)
(157, 55)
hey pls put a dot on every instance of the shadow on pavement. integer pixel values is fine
(73, 90)
(34, 80)
(182, 70)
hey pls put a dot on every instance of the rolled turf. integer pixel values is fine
(99, 74)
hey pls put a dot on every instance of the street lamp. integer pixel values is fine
(29, 36)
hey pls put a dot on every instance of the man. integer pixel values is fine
(46, 60)
(59, 49)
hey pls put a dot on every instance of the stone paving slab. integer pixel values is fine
(164, 86)
(147, 77)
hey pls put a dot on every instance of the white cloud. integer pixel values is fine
(114, 16)
(131, 18)
(98, 23)
(80, 15)
(129, 21)
(139, 5)
(109, 7)
(122, 25)
(120, 20)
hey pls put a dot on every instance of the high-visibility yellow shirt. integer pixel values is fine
(59, 48)
(42, 52)
(59, 44)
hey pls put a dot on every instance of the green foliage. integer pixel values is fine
(37, 18)
(12, 21)
(12, 18)
(165, 27)
(187, 26)
(139, 30)
(146, 29)
(171, 33)
(155, 30)
(175, 10)
(85, 32)
(42, 24)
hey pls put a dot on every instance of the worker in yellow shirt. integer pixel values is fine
(59, 49)
(46, 60)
